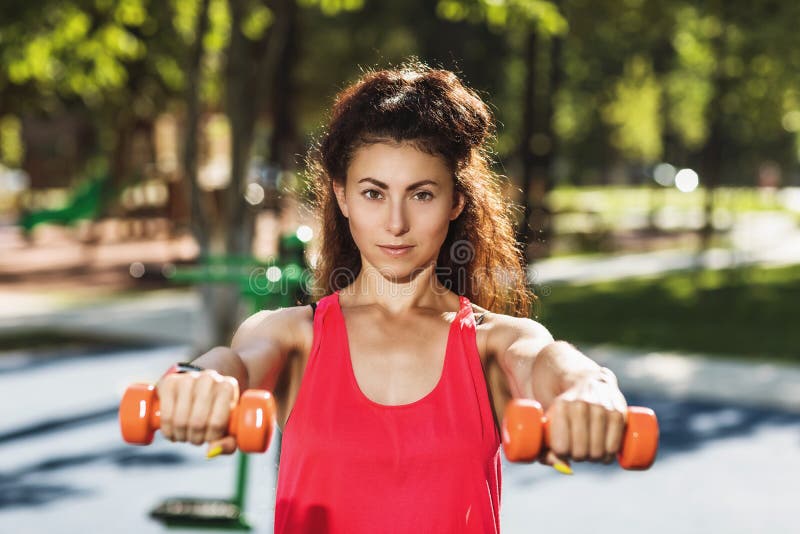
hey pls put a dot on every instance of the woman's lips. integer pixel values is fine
(394, 252)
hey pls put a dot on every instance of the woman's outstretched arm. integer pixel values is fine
(581, 399)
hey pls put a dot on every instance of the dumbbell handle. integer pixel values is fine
(155, 418)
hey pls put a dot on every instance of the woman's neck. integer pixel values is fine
(400, 297)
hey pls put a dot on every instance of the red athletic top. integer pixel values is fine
(351, 465)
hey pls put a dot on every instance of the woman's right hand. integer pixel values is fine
(196, 407)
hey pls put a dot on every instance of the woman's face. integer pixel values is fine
(398, 195)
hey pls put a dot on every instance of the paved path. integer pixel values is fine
(167, 316)
(758, 238)
(681, 375)
(721, 467)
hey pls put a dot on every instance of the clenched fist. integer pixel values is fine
(196, 407)
(586, 422)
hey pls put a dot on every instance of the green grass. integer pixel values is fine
(617, 199)
(749, 312)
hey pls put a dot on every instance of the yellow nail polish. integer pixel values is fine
(214, 452)
(562, 468)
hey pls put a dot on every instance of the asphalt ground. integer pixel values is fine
(721, 467)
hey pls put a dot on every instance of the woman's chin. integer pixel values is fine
(394, 274)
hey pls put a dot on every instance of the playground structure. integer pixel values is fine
(140, 209)
(85, 203)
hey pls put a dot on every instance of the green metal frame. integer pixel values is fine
(86, 202)
(261, 291)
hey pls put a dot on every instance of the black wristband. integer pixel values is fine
(181, 367)
(185, 367)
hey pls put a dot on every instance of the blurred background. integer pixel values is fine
(152, 195)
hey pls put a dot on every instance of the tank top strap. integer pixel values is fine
(467, 332)
(320, 311)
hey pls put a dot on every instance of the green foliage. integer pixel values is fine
(219, 32)
(185, 12)
(11, 144)
(505, 15)
(746, 312)
(72, 54)
(689, 85)
(333, 7)
(89, 51)
(637, 79)
(257, 22)
(635, 112)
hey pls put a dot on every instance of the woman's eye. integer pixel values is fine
(427, 195)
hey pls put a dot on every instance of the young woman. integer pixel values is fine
(391, 385)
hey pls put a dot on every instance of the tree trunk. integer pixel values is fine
(284, 133)
(198, 219)
(537, 147)
(250, 65)
(711, 155)
(524, 232)
(215, 298)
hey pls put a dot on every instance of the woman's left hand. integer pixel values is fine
(586, 421)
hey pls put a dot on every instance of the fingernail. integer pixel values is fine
(562, 468)
(214, 452)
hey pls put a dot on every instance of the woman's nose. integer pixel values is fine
(397, 222)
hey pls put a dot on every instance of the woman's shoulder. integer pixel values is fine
(496, 332)
(502, 331)
(287, 325)
(481, 314)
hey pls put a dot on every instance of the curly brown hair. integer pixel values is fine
(436, 113)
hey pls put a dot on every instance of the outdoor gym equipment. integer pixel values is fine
(86, 202)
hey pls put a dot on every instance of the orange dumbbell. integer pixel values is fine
(251, 421)
(526, 431)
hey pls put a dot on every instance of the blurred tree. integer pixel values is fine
(259, 72)
(630, 83)
(611, 102)
(752, 76)
(111, 63)
(199, 210)
(535, 26)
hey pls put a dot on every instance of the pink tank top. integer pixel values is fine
(351, 465)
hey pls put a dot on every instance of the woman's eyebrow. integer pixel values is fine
(410, 187)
